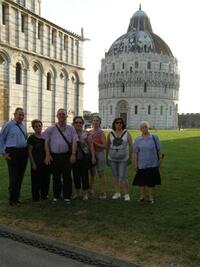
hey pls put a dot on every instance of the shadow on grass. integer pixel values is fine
(154, 234)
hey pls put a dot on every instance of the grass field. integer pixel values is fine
(151, 235)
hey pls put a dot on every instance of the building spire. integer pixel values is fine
(140, 7)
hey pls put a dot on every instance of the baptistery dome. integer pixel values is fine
(139, 78)
(140, 38)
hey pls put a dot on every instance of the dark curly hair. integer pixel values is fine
(79, 118)
(118, 119)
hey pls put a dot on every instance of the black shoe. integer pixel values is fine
(141, 200)
(151, 201)
(12, 203)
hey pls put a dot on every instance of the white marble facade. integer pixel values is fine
(139, 79)
(41, 64)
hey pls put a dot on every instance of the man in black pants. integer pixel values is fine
(61, 144)
(13, 146)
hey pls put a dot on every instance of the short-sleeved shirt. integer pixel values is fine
(38, 151)
(96, 137)
(56, 142)
(146, 150)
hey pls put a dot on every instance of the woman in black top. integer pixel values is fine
(40, 173)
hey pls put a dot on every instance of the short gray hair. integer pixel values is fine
(143, 122)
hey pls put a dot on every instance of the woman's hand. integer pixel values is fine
(34, 166)
(7, 156)
(72, 158)
(48, 159)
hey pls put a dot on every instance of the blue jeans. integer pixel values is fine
(119, 169)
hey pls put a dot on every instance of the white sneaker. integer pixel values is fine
(103, 196)
(67, 201)
(55, 200)
(127, 197)
(116, 196)
(85, 197)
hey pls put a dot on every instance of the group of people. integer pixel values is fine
(74, 155)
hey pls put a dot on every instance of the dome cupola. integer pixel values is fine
(139, 38)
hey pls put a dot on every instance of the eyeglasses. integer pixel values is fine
(78, 122)
(118, 122)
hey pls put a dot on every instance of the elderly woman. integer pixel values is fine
(147, 157)
(119, 151)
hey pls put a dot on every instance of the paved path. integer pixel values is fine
(25, 249)
(16, 254)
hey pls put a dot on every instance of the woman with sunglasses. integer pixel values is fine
(84, 158)
(98, 140)
(119, 153)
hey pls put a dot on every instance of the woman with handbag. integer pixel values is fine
(147, 158)
(84, 158)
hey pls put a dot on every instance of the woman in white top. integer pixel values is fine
(119, 152)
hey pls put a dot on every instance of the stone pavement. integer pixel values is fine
(25, 249)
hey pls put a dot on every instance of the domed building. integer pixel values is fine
(139, 78)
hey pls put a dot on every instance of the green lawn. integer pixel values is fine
(151, 235)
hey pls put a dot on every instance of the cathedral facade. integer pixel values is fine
(41, 64)
(139, 79)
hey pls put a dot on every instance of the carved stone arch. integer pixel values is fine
(53, 71)
(22, 59)
(64, 71)
(122, 110)
(38, 64)
(74, 81)
(4, 56)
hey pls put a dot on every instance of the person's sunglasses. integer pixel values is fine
(78, 122)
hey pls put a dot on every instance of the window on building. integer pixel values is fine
(170, 110)
(39, 30)
(149, 110)
(72, 50)
(123, 87)
(160, 66)
(113, 66)
(35, 68)
(136, 109)
(131, 69)
(161, 110)
(110, 110)
(145, 87)
(49, 81)
(77, 52)
(149, 65)
(3, 14)
(22, 23)
(123, 65)
(18, 73)
(136, 64)
(61, 76)
(53, 37)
